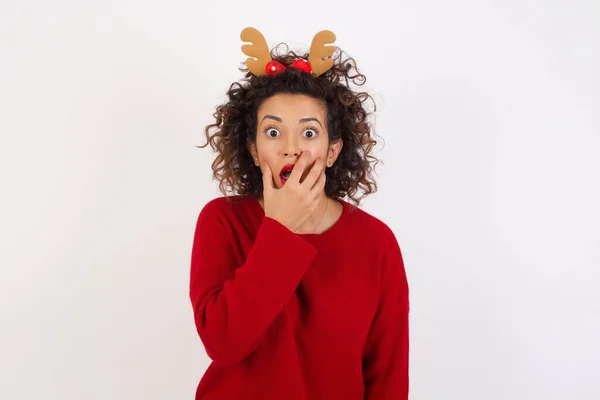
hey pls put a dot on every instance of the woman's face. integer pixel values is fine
(287, 125)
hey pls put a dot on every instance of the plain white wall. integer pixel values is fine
(489, 115)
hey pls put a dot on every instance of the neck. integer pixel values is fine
(317, 216)
(315, 221)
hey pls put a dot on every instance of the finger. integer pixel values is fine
(300, 166)
(267, 178)
(315, 172)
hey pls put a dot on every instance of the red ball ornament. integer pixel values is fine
(274, 67)
(302, 65)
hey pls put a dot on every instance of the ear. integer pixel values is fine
(252, 149)
(334, 151)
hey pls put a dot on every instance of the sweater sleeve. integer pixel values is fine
(234, 304)
(385, 358)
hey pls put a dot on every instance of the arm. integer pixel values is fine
(234, 304)
(385, 359)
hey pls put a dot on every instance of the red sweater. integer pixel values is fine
(298, 316)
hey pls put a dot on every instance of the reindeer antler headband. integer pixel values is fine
(262, 64)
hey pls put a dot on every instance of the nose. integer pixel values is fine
(291, 148)
(291, 153)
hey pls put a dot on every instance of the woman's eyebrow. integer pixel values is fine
(271, 117)
(309, 119)
(302, 120)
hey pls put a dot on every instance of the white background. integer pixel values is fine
(490, 137)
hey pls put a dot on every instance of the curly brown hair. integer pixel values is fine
(347, 118)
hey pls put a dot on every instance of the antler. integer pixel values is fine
(318, 51)
(258, 49)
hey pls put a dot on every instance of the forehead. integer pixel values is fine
(292, 106)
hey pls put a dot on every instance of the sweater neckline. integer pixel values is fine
(333, 230)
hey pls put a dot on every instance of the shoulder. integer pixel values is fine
(222, 204)
(386, 245)
(370, 225)
(222, 208)
(376, 236)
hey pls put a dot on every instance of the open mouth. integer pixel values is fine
(285, 173)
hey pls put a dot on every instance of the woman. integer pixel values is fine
(297, 294)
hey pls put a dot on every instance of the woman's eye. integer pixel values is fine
(310, 133)
(272, 132)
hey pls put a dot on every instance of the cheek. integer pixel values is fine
(265, 158)
(266, 153)
(320, 152)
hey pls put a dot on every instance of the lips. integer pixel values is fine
(285, 172)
